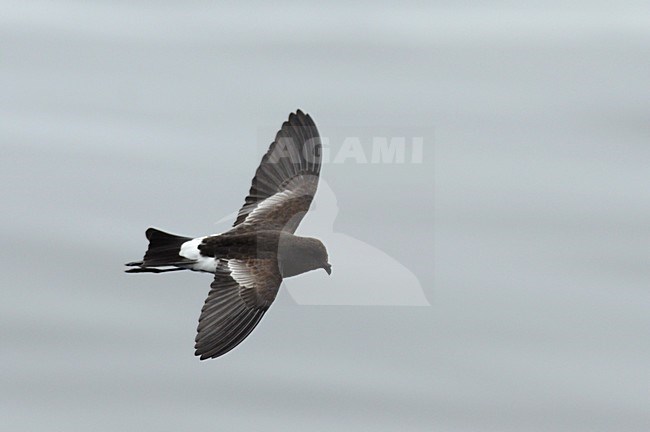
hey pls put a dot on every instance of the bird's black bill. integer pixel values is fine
(328, 268)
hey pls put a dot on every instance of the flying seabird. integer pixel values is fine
(250, 260)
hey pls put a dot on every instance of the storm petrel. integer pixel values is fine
(250, 260)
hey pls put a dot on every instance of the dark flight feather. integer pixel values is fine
(240, 295)
(287, 177)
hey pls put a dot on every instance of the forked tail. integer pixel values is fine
(162, 252)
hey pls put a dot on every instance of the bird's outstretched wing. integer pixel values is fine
(286, 180)
(240, 295)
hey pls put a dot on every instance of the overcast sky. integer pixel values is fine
(518, 221)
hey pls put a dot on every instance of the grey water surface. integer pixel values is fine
(522, 231)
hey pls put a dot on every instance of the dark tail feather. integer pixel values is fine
(152, 270)
(163, 251)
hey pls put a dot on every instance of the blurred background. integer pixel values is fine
(525, 224)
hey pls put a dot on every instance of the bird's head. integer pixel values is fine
(318, 255)
(301, 254)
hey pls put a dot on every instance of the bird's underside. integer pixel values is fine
(250, 260)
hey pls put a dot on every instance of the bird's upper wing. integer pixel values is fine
(240, 295)
(286, 180)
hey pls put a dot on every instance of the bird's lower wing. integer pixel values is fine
(240, 295)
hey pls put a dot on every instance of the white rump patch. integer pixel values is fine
(190, 250)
